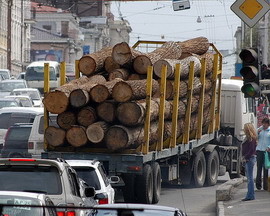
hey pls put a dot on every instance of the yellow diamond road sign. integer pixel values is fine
(250, 11)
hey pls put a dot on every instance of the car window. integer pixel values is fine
(18, 118)
(19, 200)
(25, 102)
(110, 212)
(37, 73)
(36, 178)
(51, 211)
(4, 120)
(8, 104)
(103, 174)
(5, 74)
(75, 188)
(19, 133)
(52, 122)
(89, 175)
(32, 94)
(9, 86)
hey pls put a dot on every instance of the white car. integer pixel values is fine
(93, 173)
(24, 100)
(33, 93)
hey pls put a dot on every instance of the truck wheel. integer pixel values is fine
(156, 182)
(199, 171)
(212, 168)
(144, 185)
(129, 188)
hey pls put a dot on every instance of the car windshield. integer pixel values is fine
(89, 175)
(20, 211)
(8, 104)
(25, 102)
(147, 212)
(44, 179)
(9, 86)
(32, 94)
(37, 73)
(5, 74)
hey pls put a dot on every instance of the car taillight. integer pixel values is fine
(103, 201)
(68, 213)
(30, 145)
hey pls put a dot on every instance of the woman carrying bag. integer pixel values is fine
(249, 157)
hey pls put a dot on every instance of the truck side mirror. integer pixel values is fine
(114, 179)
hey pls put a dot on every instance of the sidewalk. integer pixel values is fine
(260, 206)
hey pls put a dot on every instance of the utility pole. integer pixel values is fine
(9, 21)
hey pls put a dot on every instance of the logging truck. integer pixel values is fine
(181, 124)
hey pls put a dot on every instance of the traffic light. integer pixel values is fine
(250, 72)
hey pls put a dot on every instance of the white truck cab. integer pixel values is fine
(236, 110)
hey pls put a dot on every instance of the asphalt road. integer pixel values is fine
(193, 201)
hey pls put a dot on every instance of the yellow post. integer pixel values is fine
(77, 71)
(201, 102)
(145, 146)
(176, 93)
(162, 107)
(188, 109)
(62, 73)
(214, 96)
(219, 93)
(46, 91)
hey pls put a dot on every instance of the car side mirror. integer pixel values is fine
(89, 191)
(100, 196)
(114, 179)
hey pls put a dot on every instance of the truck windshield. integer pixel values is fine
(37, 73)
(30, 178)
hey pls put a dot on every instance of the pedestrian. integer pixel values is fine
(249, 158)
(263, 145)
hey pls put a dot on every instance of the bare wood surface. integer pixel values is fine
(55, 136)
(66, 119)
(132, 90)
(76, 136)
(96, 132)
(119, 73)
(169, 50)
(185, 67)
(123, 54)
(110, 65)
(94, 62)
(135, 76)
(107, 111)
(198, 45)
(101, 92)
(87, 116)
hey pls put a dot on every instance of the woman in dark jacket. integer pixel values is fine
(249, 157)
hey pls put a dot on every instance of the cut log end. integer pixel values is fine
(87, 116)
(141, 64)
(56, 102)
(158, 68)
(99, 93)
(87, 65)
(106, 111)
(76, 136)
(78, 98)
(129, 113)
(96, 132)
(121, 53)
(116, 138)
(54, 136)
(66, 119)
(122, 92)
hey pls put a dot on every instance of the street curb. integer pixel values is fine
(224, 193)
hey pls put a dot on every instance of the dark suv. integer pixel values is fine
(16, 141)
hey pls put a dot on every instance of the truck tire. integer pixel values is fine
(156, 182)
(199, 170)
(144, 185)
(129, 188)
(212, 168)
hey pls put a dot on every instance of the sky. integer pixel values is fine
(156, 20)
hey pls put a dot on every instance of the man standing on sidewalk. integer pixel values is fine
(263, 145)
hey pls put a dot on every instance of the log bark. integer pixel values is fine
(110, 65)
(66, 119)
(198, 45)
(80, 96)
(107, 111)
(119, 137)
(209, 58)
(101, 92)
(94, 62)
(76, 136)
(119, 73)
(87, 116)
(132, 90)
(123, 54)
(184, 68)
(58, 101)
(96, 132)
(135, 76)
(169, 50)
(55, 136)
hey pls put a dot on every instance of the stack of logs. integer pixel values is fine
(106, 108)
